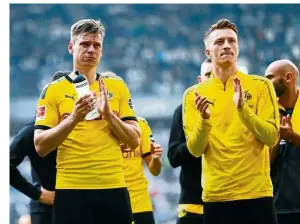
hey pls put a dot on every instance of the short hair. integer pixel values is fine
(207, 60)
(59, 74)
(221, 24)
(87, 26)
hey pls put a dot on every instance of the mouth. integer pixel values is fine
(227, 54)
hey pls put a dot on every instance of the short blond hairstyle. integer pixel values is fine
(87, 26)
(221, 24)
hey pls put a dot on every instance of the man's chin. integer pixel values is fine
(226, 62)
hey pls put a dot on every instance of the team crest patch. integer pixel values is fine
(40, 113)
(247, 95)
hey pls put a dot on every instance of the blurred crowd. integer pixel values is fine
(157, 49)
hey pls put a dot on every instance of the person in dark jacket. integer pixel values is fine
(190, 209)
(43, 171)
(285, 168)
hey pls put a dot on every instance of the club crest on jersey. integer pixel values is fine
(247, 95)
(109, 95)
(40, 113)
(130, 104)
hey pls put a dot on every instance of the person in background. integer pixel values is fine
(285, 169)
(149, 153)
(190, 208)
(43, 171)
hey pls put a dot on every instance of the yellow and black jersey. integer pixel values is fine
(235, 164)
(90, 157)
(135, 178)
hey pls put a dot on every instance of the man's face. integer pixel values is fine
(222, 47)
(86, 49)
(277, 80)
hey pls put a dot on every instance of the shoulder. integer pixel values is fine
(53, 88)
(190, 90)
(26, 133)
(261, 83)
(114, 81)
(178, 109)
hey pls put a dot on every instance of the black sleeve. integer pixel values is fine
(178, 152)
(19, 148)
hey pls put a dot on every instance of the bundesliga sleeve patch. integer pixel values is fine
(40, 113)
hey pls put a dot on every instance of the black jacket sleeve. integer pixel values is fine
(19, 148)
(178, 152)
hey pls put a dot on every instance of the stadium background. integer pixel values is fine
(156, 49)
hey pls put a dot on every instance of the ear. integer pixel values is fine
(199, 78)
(207, 53)
(288, 77)
(70, 48)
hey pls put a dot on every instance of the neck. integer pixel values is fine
(289, 98)
(89, 73)
(223, 73)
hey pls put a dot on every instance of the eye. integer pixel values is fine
(218, 42)
(84, 44)
(97, 46)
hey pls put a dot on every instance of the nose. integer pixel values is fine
(226, 45)
(91, 49)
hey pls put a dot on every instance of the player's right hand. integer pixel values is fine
(83, 106)
(47, 197)
(202, 106)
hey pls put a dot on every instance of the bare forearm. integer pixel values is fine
(295, 139)
(126, 133)
(264, 131)
(155, 166)
(48, 140)
(197, 141)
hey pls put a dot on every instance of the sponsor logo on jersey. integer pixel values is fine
(71, 97)
(212, 103)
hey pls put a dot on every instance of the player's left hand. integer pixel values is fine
(102, 101)
(286, 128)
(238, 97)
(156, 151)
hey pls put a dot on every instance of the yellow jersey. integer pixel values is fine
(235, 163)
(133, 168)
(90, 157)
